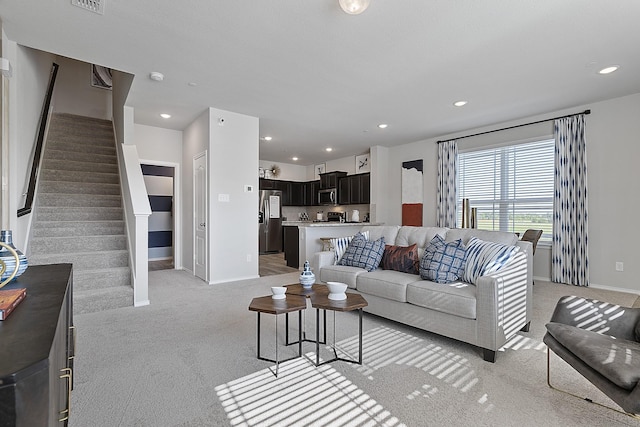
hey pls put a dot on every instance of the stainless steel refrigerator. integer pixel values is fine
(270, 220)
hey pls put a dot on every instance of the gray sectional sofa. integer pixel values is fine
(486, 314)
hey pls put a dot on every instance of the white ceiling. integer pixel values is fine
(317, 77)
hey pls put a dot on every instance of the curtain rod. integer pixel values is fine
(517, 126)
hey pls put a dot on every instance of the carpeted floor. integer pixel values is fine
(189, 359)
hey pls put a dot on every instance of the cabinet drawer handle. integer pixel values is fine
(68, 375)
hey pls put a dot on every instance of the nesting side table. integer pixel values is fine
(291, 303)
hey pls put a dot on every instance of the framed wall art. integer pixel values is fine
(412, 194)
(362, 164)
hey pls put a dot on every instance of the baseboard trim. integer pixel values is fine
(235, 279)
(613, 288)
(142, 303)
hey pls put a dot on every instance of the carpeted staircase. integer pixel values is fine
(79, 217)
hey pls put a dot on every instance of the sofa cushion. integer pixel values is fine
(341, 273)
(456, 298)
(616, 359)
(363, 254)
(387, 284)
(401, 258)
(421, 236)
(389, 232)
(466, 234)
(485, 258)
(443, 262)
(339, 245)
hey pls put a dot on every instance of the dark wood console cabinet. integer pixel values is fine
(37, 350)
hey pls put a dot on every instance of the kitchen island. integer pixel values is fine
(302, 238)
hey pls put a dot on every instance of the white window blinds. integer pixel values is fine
(512, 187)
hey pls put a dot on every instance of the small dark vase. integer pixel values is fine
(8, 259)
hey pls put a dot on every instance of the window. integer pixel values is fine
(512, 187)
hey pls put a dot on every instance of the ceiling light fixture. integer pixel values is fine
(328, 149)
(460, 103)
(165, 116)
(608, 70)
(267, 138)
(383, 125)
(354, 7)
(156, 76)
(295, 159)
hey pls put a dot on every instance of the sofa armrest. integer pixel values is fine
(504, 302)
(597, 316)
(321, 259)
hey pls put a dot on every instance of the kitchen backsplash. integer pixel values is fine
(292, 213)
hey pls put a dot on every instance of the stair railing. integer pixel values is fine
(35, 165)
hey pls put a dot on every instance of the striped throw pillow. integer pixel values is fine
(485, 258)
(339, 245)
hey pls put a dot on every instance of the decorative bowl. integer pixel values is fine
(337, 291)
(278, 292)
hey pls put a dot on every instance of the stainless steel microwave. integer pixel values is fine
(328, 196)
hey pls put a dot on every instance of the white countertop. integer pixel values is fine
(324, 224)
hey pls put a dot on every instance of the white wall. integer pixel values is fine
(159, 144)
(233, 164)
(288, 171)
(612, 172)
(27, 89)
(75, 95)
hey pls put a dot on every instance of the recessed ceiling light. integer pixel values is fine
(165, 116)
(192, 84)
(328, 149)
(267, 138)
(383, 125)
(608, 70)
(460, 103)
(295, 159)
(158, 77)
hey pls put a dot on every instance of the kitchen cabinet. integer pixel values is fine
(37, 352)
(311, 193)
(298, 191)
(354, 189)
(330, 179)
(291, 254)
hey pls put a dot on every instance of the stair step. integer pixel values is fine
(74, 244)
(94, 300)
(73, 119)
(64, 144)
(64, 128)
(84, 260)
(79, 187)
(70, 165)
(57, 139)
(101, 278)
(79, 200)
(79, 176)
(80, 157)
(77, 228)
(45, 213)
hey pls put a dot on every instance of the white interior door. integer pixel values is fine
(200, 203)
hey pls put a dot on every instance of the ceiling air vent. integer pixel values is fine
(96, 6)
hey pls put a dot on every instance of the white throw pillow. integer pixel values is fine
(484, 258)
(339, 245)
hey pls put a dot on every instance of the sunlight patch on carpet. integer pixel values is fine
(302, 394)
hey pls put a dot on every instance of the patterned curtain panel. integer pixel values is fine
(447, 180)
(569, 253)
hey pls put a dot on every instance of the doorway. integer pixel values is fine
(200, 215)
(160, 181)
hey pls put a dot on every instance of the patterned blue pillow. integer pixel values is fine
(364, 254)
(485, 258)
(443, 262)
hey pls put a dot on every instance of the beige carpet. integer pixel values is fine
(189, 359)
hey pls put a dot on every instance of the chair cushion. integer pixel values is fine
(363, 254)
(401, 258)
(443, 262)
(485, 258)
(616, 359)
(339, 245)
(457, 298)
